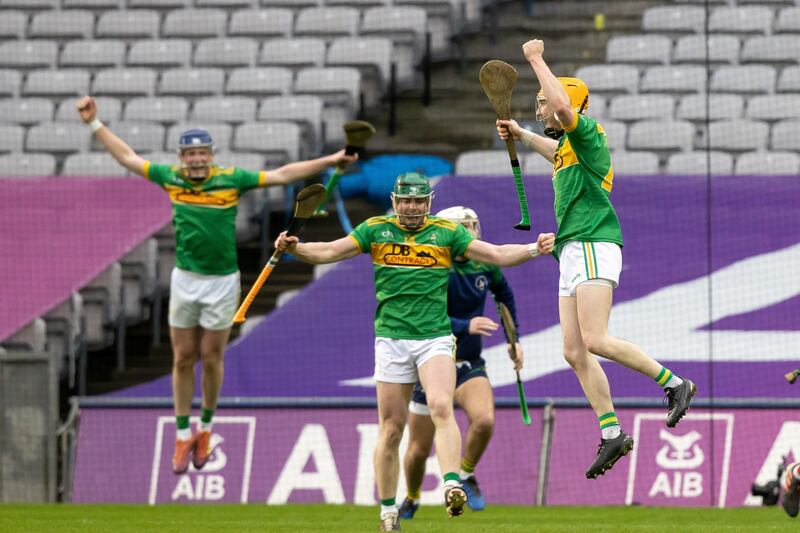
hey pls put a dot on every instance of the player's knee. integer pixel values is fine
(483, 424)
(417, 451)
(575, 356)
(392, 432)
(595, 343)
(441, 407)
(183, 361)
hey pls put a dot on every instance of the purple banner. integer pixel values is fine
(274, 456)
(707, 288)
(281, 456)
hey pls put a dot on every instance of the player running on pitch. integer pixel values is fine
(204, 288)
(412, 253)
(588, 247)
(466, 296)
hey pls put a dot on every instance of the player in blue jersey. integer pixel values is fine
(468, 286)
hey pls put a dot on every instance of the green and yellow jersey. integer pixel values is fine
(204, 215)
(582, 178)
(411, 273)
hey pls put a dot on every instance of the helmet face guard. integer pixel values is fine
(464, 216)
(408, 189)
(578, 94)
(195, 138)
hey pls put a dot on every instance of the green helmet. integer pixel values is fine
(412, 185)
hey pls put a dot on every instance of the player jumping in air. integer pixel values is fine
(589, 250)
(469, 284)
(204, 287)
(412, 253)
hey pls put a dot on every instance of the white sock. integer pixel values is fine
(205, 426)
(611, 432)
(464, 475)
(673, 382)
(386, 509)
(451, 483)
(183, 434)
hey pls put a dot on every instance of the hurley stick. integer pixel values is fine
(792, 376)
(497, 79)
(356, 135)
(511, 336)
(307, 201)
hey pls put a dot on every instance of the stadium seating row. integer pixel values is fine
(701, 162)
(767, 18)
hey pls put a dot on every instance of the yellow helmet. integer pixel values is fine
(577, 91)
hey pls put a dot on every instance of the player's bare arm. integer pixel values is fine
(317, 252)
(510, 254)
(119, 149)
(305, 169)
(540, 144)
(556, 97)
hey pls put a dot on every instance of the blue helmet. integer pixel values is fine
(195, 138)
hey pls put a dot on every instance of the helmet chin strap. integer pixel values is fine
(554, 133)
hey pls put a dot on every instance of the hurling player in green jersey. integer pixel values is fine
(412, 253)
(589, 250)
(204, 287)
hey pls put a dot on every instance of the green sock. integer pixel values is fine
(414, 495)
(388, 506)
(182, 422)
(667, 379)
(206, 415)
(451, 478)
(609, 425)
(467, 468)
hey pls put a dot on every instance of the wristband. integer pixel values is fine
(96, 125)
(532, 249)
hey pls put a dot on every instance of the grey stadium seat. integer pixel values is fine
(789, 80)
(327, 22)
(336, 85)
(141, 136)
(160, 109)
(13, 23)
(674, 79)
(102, 298)
(93, 53)
(738, 135)
(285, 296)
(697, 163)
(661, 135)
(194, 23)
(31, 337)
(224, 109)
(94, 4)
(246, 160)
(125, 82)
(443, 18)
(616, 134)
(641, 106)
(304, 52)
(64, 332)
(196, 81)
(275, 22)
(260, 81)
(139, 271)
(597, 106)
(360, 4)
(59, 137)
(740, 19)
(60, 24)
(128, 24)
(159, 3)
(31, 4)
(12, 138)
(696, 107)
(234, 52)
(57, 82)
(161, 53)
(226, 3)
(773, 107)
(675, 18)
(26, 110)
(279, 141)
(293, 4)
(220, 132)
(767, 163)
(406, 27)
(610, 78)
(757, 79)
(24, 164)
(634, 163)
(303, 109)
(784, 136)
(639, 49)
(535, 165)
(483, 163)
(372, 55)
(28, 54)
(10, 82)
(716, 48)
(788, 20)
(93, 164)
(780, 49)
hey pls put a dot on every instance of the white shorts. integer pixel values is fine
(588, 262)
(207, 301)
(397, 360)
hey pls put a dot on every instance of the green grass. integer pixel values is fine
(349, 518)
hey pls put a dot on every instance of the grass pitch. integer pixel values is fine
(349, 518)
